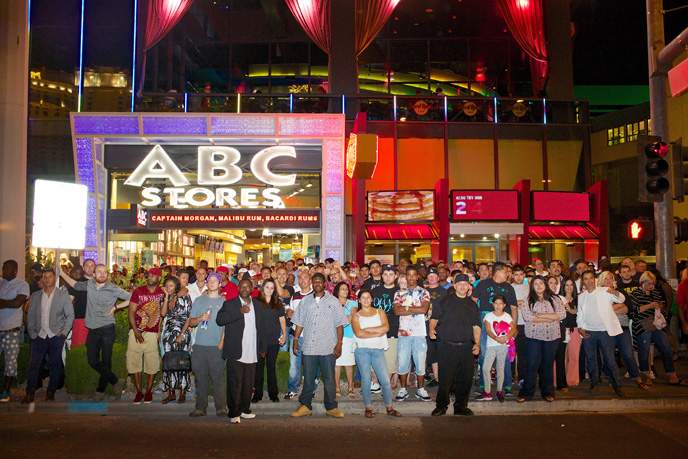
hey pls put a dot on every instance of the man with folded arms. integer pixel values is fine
(49, 320)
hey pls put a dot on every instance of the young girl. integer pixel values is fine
(500, 328)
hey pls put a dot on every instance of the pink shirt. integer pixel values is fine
(544, 331)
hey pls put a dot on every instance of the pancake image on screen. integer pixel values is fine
(401, 206)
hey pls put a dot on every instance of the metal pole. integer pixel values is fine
(664, 210)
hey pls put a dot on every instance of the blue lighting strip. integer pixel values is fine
(343, 105)
(445, 109)
(186, 102)
(496, 116)
(544, 111)
(133, 59)
(395, 108)
(81, 56)
(29, 20)
(291, 103)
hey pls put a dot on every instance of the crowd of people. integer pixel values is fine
(499, 326)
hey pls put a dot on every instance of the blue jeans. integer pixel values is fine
(508, 377)
(375, 358)
(407, 346)
(311, 364)
(295, 367)
(625, 344)
(660, 339)
(39, 347)
(539, 354)
(605, 343)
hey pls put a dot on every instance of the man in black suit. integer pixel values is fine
(243, 318)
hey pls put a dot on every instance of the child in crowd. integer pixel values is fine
(500, 328)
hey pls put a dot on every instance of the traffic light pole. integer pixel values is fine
(664, 210)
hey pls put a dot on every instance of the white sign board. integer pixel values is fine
(59, 215)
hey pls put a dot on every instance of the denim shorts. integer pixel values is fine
(411, 345)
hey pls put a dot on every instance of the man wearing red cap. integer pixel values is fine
(144, 320)
(229, 288)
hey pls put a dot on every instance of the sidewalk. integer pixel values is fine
(661, 397)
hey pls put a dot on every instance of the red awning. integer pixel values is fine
(561, 232)
(400, 231)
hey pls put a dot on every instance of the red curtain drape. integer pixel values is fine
(371, 16)
(314, 17)
(161, 16)
(526, 21)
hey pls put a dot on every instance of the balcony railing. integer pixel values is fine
(410, 109)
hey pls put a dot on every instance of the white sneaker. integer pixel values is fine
(236, 420)
(422, 394)
(402, 395)
(248, 415)
(375, 388)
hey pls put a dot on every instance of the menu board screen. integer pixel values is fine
(484, 205)
(561, 206)
(386, 206)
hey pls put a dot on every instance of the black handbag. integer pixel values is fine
(176, 361)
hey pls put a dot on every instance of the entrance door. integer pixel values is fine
(477, 252)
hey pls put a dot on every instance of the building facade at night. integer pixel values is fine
(482, 153)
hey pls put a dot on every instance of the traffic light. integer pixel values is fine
(652, 169)
(641, 230)
(679, 169)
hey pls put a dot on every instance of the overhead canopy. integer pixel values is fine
(561, 232)
(400, 231)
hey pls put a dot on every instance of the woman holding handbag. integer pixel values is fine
(645, 301)
(176, 340)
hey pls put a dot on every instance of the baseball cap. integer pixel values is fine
(251, 273)
(155, 271)
(37, 267)
(389, 268)
(243, 270)
(461, 278)
(374, 262)
(354, 264)
(433, 271)
(223, 269)
(229, 266)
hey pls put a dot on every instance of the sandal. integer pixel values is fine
(369, 413)
(642, 385)
(393, 412)
(182, 398)
(352, 396)
(680, 382)
(337, 393)
(648, 382)
(520, 399)
(170, 398)
(549, 399)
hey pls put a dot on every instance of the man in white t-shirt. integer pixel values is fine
(197, 288)
(597, 325)
(522, 290)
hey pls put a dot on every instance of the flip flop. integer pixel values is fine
(680, 382)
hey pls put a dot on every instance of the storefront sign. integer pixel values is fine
(485, 205)
(217, 166)
(234, 219)
(421, 107)
(385, 206)
(561, 206)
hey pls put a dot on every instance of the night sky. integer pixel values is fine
(609, 47)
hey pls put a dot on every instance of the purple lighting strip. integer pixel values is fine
(84, 163)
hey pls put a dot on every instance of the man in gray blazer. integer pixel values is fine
(49, 320)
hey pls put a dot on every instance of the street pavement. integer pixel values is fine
(161, 435)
